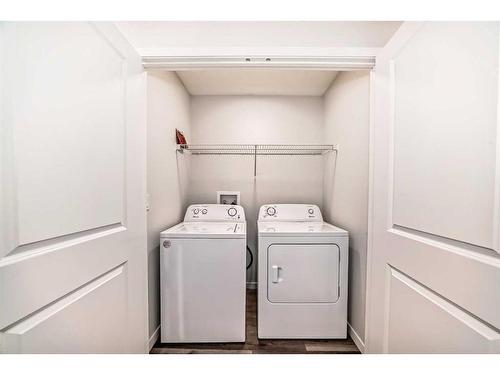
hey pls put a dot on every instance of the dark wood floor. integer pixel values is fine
(255, 346)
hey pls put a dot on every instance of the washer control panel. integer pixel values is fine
(214, 212)
(290, 212)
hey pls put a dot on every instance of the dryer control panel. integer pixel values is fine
(215, 212)
(290, 212)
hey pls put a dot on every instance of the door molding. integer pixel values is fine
(397, 41)
(496, 207)
(252, 61)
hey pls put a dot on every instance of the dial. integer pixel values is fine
(271, 211)
(204, 211)
(311, 211)
(232, 211)
(196, 211)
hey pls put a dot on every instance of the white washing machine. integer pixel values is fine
(302, 277)
(203, 276)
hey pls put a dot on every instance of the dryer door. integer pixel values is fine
(303, 273)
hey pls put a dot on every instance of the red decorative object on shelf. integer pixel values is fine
(181, 140)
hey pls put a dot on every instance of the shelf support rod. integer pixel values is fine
(254, 161)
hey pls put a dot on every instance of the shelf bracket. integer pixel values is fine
(255, 161)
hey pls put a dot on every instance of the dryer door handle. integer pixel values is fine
(276, 274)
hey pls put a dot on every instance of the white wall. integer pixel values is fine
(257, 119)
(347, 114)
(189, 38)
(168, 108)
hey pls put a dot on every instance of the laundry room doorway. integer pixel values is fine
(275, 129)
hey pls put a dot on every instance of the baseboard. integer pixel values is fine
(355, 337)
(154, 338)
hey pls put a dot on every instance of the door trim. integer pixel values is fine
(370, 226)
(496, 207)
(402, 34)
(271, 61)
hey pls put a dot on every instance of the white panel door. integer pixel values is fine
(73, 246)
(303, 273)
(434, 264)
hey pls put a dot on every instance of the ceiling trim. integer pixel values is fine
(258, 62)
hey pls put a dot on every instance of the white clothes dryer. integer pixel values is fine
(302, 274)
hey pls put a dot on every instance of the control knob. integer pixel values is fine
(232, 211)
(311, 211)
(196, 211)
(271, 211)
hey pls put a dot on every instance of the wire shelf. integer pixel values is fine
(256, 149)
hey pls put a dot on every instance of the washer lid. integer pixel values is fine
(290, 228)
(206, 230)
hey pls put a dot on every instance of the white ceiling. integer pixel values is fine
(257, 82)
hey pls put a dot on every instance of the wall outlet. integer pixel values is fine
(228, 197)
